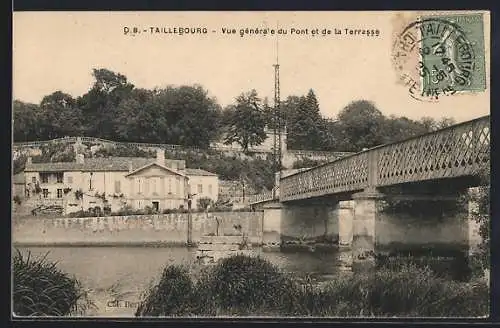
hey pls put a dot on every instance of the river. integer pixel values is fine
(122, 273)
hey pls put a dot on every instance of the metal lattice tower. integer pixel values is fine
(277, 115)
(277, 118)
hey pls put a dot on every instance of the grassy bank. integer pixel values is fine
(251, 286)
(41, 289)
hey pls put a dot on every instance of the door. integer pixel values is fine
(156, 206)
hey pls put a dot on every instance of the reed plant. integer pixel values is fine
(171, 296)
(251, 286)
(40, 288)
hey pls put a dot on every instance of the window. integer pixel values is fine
(44, 177)
(153, 185)
(177, 185)
(59, 177)
(140, 187)
(117, 187)
(200, 188)
(70, 180)
(59, 193)
(33, 179)
(209, 189)
(45, 193)
(90, 180)
(169, 185)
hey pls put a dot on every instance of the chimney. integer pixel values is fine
(160, 156)
(29, 160)
(130, 167)
(80, 158)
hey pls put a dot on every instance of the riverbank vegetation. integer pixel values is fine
(251, 286)
(42, 289)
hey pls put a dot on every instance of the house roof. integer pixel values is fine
(91, 164)
(199, 172)
(18, 178)
(156, 164)
(101, 164)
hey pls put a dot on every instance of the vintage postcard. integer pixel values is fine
(251, 164)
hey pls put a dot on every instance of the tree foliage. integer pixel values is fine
(246, 121)
(113, 108)
(26, 126)
(482, 215)
(361, 125)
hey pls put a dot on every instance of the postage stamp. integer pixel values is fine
(441, 55)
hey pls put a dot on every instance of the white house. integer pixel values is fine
(118, 181)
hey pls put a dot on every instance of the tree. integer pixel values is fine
(361, 125)
(59, 116)
(431, 124)
(401, 128)
(107, 81)
(192, 116)
(274, 116)
(25, 121)
(305, 125)
(246, 121)
(19, 164)
(482, 215)
(445, 122)
(136, 119)
(100, 104)
(331, 133)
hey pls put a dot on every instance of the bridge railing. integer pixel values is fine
(264, 197)
(458, 150)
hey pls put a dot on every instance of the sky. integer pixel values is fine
(58, 50)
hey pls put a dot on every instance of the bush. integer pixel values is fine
(482, 216)
(170, 297)
(242, 285)
(306, 163)
(174, 210)
(80, 214)
(246, 285)
(41, 289)
(204, 202)
(455, 266)
(409, 292)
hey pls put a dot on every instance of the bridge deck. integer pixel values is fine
(458, 150)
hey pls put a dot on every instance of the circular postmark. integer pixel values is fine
(433, 58)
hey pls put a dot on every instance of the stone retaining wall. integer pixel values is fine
(165, 229)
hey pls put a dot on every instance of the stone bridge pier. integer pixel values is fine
(413, 222)
(308, 225)
(392, 222)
